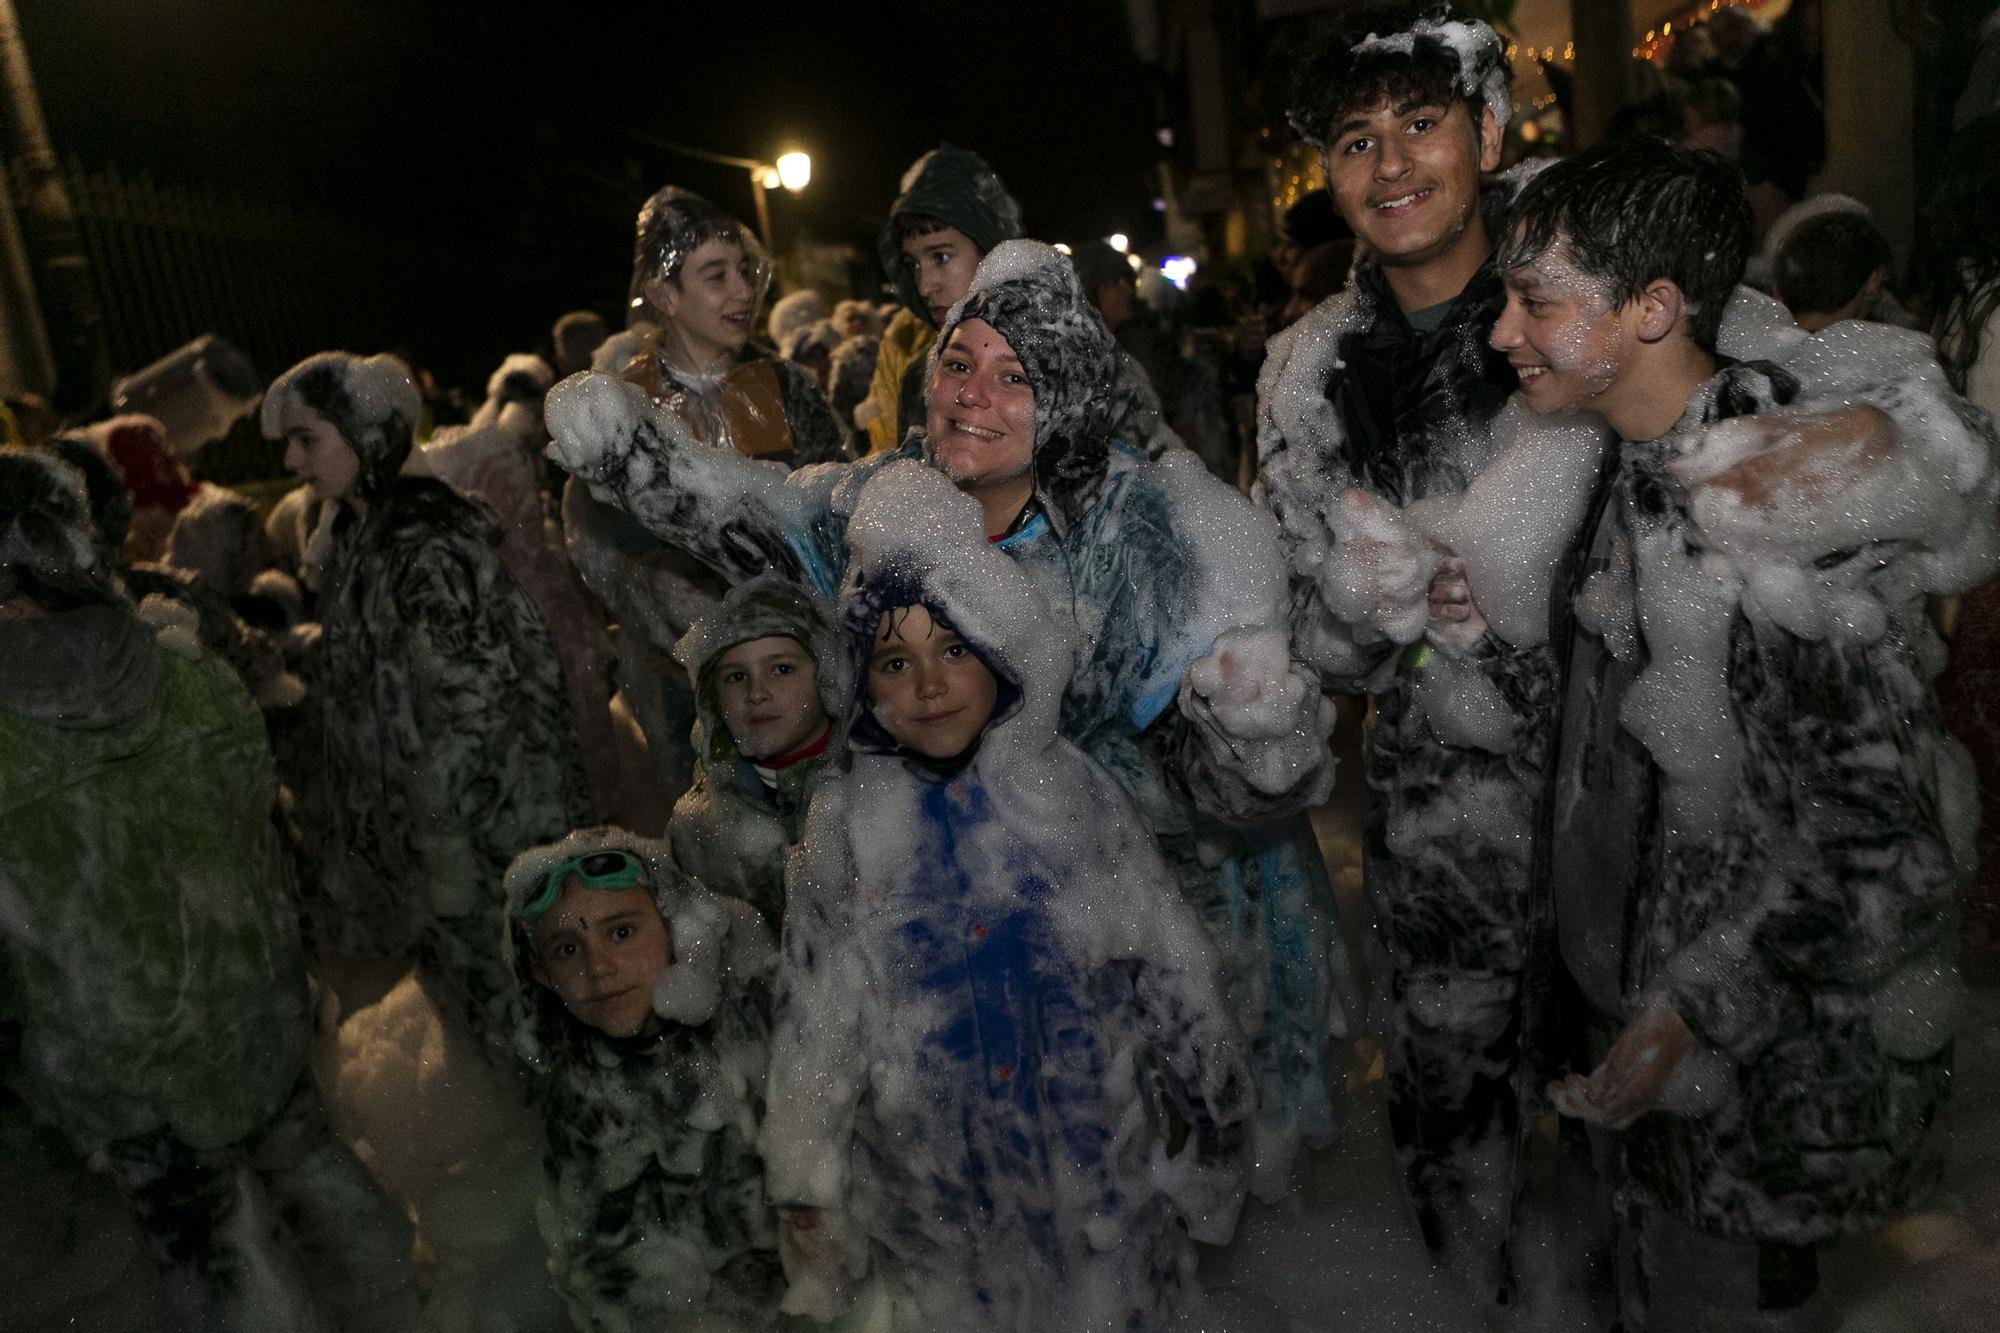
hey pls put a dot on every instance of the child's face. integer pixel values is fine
(316, 452)
(602, 951)
(928, 689)
(769, 692)
(1561, 332)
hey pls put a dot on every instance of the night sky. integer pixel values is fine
(496, 140)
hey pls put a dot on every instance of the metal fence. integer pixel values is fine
(171, 263)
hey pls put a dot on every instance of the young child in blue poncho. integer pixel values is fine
(1005, 1082)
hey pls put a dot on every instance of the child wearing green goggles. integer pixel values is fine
(644, 1016)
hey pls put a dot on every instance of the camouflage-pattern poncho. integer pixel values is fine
(654, 1203)
(1802, 823)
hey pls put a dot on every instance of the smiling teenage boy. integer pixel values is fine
(1383, 397)
(1756, 841)
(697, 278)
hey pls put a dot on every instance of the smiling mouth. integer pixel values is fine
(1403, 203)
(932, 719)
(977, 432)
(1529, 374)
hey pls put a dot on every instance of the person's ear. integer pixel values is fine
(1489, 140)
(1659, 308)
(662, 295)
(541, 975)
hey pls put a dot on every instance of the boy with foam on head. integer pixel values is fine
(1004, 1070)
(763, 738)
(1760, 825)
(644, 1005)
(1400, 476)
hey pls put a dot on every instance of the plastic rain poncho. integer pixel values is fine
(731, 830)
(1805, 822)
(1158, 569)
(1003, 1062)
(449, 746)
(653, 1206)
(757, 404)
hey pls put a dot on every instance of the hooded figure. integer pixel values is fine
(654, 1205)
(946, 187)
(149, 950)
(700, 364)
(1002, 1064)
(1183, 685)
(733, 827)
(449, 745)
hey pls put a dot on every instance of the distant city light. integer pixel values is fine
(1177, 269)
(1159, 204)
(1166, 136)
(768, 178)
(1117, 241)
(1138, 264)
(794, 170)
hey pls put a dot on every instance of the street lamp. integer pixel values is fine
(791, 171)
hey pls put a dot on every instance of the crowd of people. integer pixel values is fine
(853, 779)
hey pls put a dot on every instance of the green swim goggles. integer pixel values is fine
(615, 869)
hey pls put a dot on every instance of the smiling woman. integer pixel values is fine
(982, 421)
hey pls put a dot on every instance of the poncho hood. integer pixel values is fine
(1028, 293)
(955, 186)
(371, 401)
(762, 608)
(91, 667)
(711, 936)
(45, 528)
(915, 538)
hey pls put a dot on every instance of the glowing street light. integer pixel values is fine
(794, 170)
(1118, 241)
(791, 171)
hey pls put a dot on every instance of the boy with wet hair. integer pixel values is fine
(1382, 413)
(1004, 1075)
(1760, 825)
(763, 739)
(643, 1013)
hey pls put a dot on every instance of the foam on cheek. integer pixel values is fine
(1580, 348)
